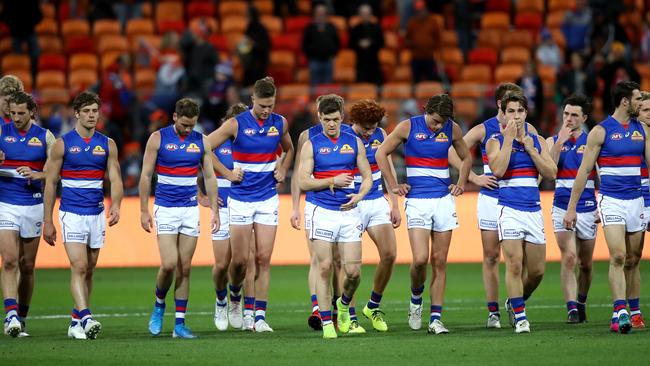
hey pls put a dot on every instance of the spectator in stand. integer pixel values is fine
(127, 10)
(200, 58)
(169, 75)
(117, 95)
(572, 80)
(254, 49)
(405, 10)
(320, 44)
(366, 38)
(617, 68)
(577, 26)
(215, 106)
(131, 164)
(21, 17)
(291, 8)
(422, 38)
(531, 83)
(464, 13)
(645, 43)
(101, 9)
(548, 53)
(606, 30)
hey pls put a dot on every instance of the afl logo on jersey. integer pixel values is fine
(171, 147)
(10, 139)
(272, 131)
(637, 136)
(324, 150)
(420, 136)
(617, 136)
(346, 149)
(249, 131)
(193, 148)
(98, 150)
(565, 148)
(34, 141)
(225, 151)
(442, 137)
(74, 150)
(375, 144)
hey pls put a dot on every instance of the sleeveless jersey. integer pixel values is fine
(224, 154)
(645, 183)
(567, 170)
(492, 129)
(371, 144)
(518, 187)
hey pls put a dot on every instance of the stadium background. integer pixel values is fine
(142, 56)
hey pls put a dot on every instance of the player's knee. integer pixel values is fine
(26, 267)
(439, 264)
(514, 268)
(388, 257)
(585, 267)
(419, 264)
(168, 267)
(617, 258)
(184, 270)
(535, 274)
(569, 259)
(491, 257)
(325, 267)
(353, 273)
(632, 261)
(9, 262)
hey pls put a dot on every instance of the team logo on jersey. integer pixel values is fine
(171, 147)
(494, 135)
(10, 139)
(442, 137)
(98, 150)
(346, 149)
(249, 131)
(324, 150)
(74, 150)
(272, 131)
(375, 144)
(581, 149)
(636, 135)
(420, 136)
(193, 148)
(565, 148)
(617, 136)
(225, 151)
(34, 141)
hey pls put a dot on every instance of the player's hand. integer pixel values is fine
(352, 203)
(401, 189)
(528, 143)
(570, 218)
(395, 217)
(564, 134)
(510, 131)
(597, 220)
(295, 219)
(2, 157)
(220, 202)
(146, 221)
(279, 174)
(113, 215)
(486, 181)
(236, 175)
(215, 221)
(49, 233)
(203, 200)
(456, 190)
(26, 172)
(343, 180)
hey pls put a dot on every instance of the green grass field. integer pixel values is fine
(123, 298)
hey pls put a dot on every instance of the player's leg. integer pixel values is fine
(419, 241)
(79, 263)
(313, 320)
(535, 263)
(9, 251)
(513, 255)
(91, 326)
(221, 251)
(323, 253)
(634, 250)
(338, 276)
(264, 240)
(567, 243)
(186, 248)
(351, 262)
(486, 210)
(249, 288)
(440, 242)
(615, 237)
(168, 250)
(240, 250)
(27, 261)
(585, 249)
(384, 238)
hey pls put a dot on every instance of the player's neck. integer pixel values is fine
(84, 132)
(621, 116)
(25, 128)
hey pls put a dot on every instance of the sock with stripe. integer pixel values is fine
(493, 308)
(75, 318)
(235, 292)
(335, 308)
(416, 295)
(345, 300)
(221, 297)
(614, 317)
(249, 306)
(181, 308)
(353, 313)
(571, 306)
(436, 312)
(314, 303)
(634, 306)
(620, 308)
(22, 311)
(326, 317)
(11, 308)
(85, 315)
(375, 300)
(519, 307)
(260, 310)
(582, 300)
(160, 298)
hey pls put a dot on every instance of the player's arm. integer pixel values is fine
(144, 187)
(287, 147)
(53, 168)
(392, 141)
(115, 177)
(295, 182)
(309, 183)
(542, 159)
(471, 138)
(227, 130)
(499, 156)
(210, 182)
(395, 215)
(463, 153)
(646, 129)
(554, 149)
(366, 178)
(26, 171)
(531, 129)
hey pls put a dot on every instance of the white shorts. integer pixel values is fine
(27, 220)
(177, 220)
(586, 225)
(518, 225)
(374, 212)
(614, 211)
(435, 214)
(487, 212)
(261, 212)
(224, 225)
(85, 229)
(333, 226)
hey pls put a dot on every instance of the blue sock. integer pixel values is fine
(571, 306)
(416, 295)
(326, 317)
(436, 313)
(260, 310)
(519, 308)
(11, 308)
(634, 306)
(375, 300)
(249, 306)
(160, 298)
(345, 300)
(314, 303)
(353, 313)
(76, 319)
(221, 297)
(235, 292)
(620, 307)
(181, 308)
(493, 307)
(85, 315)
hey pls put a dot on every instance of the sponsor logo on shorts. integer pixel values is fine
(442, 137)
(511, 234)
(237, 218)
(171, 147)
(74, 150)
(415, 222)
(324, 150)
(324, 233)
(272, 131)
(225, 151)
(6, 223)
(590, 203)
(34, 141)
(165, 227)
(193, 148)
(98, 150)
(75, 236)
(637, 136)
(488, 223)
(10, 139)
(613, 218)
(346, 149)
(616, 136)
(360, 227)
(249, 131)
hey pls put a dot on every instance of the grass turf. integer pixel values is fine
(122, 300)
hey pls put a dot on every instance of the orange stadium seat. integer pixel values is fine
(345, 75)
(476, 74)
(112, 43)
(483, 56)
(15, 61)
(234, 23)
(50, 44)
(199, 24)
(232, 8)
(498, 5)
(83, 61)
(391, 40)
(557, 5)
(50, 79)
(50, 96)
(48, 10)
(283, 59)
(75, 28)
(233, 39)
(555, 19)
(103, 27)
(425, 89)
(272, 24)
(6, 45)
(508, 73)
(169, 11)
(397, 90)
(495, 20)
(360, 91)
(448, 38)
(643, 69)
(47, 26)
(467, 90)
(405, 57)
(81, 44)
(304, 6)
(547, 73)
(291, 92)
(302, 75)
(518, 38)
(51, 61)
(345, 58)
(387, 58)
(402, 73)
(137, 27)
(453, 61)
(296, 23)
(529, 21)
(199, 9)
(515, 55)
(265, 7)
(490, 38)
(466, 110)
(107, 59)
(81, 79)
(558, 37)
(145, 79)
(529, 6)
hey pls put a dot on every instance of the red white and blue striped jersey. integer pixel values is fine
(518, 187)
(177, 166)
(371, 144)
(315, 130)
(28, 149)
(331, 158)
(619, 162)
(224, 154)
(426, 155)
(567, 169)
(255, 152)
(645, 183)
(82, 173)
(492, 129)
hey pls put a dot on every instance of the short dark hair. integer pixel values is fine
(442, 105)
(579, 100)
(85, 98)
(514, 97)
(186, 107)
(235, 110)
(23, 98)
(264, 88)
(504, 88)
(624, 89)
(330, 103)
